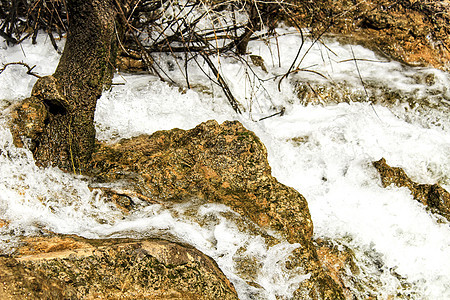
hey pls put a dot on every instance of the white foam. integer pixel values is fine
(324, 152)
(15, 83)
(144, 103)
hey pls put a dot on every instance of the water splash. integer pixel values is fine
(325, 152)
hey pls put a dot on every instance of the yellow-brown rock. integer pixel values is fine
(414, 32)
(431, 195)
(224, 164)
(3, 223)
(219, 163)
(75, 268)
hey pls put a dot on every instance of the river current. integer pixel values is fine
(322, 145)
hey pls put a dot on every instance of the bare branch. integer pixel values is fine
(29, 72)
(233, 102)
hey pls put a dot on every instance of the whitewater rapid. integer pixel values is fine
(323, 151)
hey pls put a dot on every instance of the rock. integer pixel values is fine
(218, 163)
(28, 122)
(259, 62)
(75, 268)
(339, 263)
(131, 62)
(3, 223)
(360, 274)
(414, 32)
(18, 282)
(431, 195)
(224, 164)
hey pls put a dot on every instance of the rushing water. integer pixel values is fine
(324, 151)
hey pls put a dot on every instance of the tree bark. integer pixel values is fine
(64, 133)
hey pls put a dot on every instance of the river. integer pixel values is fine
(322, 145)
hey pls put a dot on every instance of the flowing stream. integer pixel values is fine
(322, 145)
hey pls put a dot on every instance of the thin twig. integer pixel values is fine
(362, 82)
(223, 84)
(280, 113)
(29, 72)
(296, 56)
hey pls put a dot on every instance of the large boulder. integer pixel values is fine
(217, 163)
(65, 267)
(224, 164)
(19, 282)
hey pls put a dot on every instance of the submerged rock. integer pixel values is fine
(361, 273)
(76, 268)
(224, 164)
(431, 195)
(340, 264)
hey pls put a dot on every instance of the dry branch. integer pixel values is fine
(157, 26)
(29, 71)
(233, 102)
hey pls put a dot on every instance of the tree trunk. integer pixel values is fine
(63, 135)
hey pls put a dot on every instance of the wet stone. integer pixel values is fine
(225, 164)
(433, 196)
(69, 267)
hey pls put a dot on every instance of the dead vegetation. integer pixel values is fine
(186, 30)
(196, 31)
